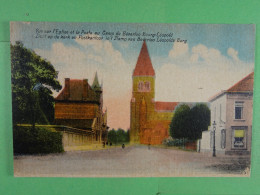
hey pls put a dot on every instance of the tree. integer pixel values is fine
(128, 135)
(112, 136)
(179, 125)
(200, 120)
(118, 136)
(32, 80)
(121, 135)
(189, 123)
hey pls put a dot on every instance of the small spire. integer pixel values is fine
(95, 84)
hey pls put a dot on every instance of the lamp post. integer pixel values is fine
(214, 146)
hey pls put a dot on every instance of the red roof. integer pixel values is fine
(75, 90)
(144, 65)
(244, 85)
(165, 106)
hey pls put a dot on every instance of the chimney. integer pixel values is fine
(67, 88)
(85, 89)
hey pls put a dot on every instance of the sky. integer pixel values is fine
(203, 60)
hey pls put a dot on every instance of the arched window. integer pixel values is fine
(147, 86)
(223, 138)
(140, 86)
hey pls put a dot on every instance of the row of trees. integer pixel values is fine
(118, 136)
(190, 122)
(32, 80)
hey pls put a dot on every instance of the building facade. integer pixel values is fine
(79, 107)
(149, 120)
(232, 112)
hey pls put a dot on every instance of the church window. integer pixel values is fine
(147, 86)
(140, 86)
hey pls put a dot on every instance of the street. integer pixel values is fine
(132, 161)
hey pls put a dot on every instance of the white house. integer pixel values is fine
(232, 111)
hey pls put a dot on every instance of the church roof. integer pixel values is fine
(165, 106)
(144, 65)
(244, 85)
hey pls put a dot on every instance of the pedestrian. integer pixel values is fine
(123, 146)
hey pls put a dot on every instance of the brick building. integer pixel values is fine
(80, 106)
(150, 120)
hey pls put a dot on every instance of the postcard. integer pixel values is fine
(132, 100)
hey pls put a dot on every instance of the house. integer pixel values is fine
(79, 108)
(150, 119)
(232, 112)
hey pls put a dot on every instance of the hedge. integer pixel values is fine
(41, 140)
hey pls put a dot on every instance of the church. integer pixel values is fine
(149, 119)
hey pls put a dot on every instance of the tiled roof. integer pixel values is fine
(76, 92)
(165, 106)
(244, 85)
(144, 65)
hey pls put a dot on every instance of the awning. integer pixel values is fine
(239, 133)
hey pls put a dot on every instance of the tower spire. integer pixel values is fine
(144, 65)
(95, 84)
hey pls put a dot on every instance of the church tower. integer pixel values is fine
(142, 101)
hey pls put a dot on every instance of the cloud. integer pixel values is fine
(61, 54)
(86, 57)
(206, 54)
(233, 53)
(188, 74)
(92, 42)
(199, 74)
(179, 49)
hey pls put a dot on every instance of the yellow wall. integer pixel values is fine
(135, 105)
(152, 116)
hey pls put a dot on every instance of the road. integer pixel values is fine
(133, 161)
